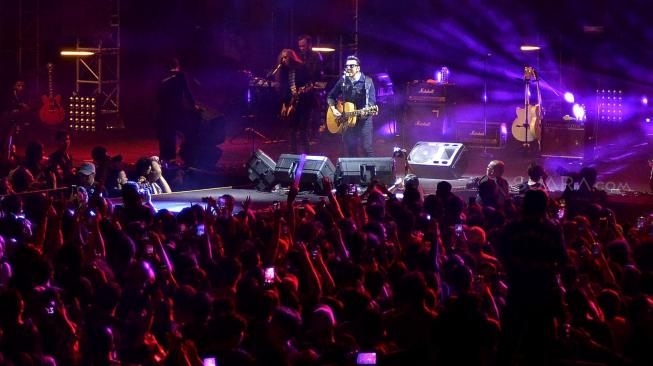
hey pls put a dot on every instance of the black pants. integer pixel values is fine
(299, 125)
(361, 134)
(167, 124)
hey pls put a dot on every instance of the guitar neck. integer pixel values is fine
(50, 86)
(354, 113)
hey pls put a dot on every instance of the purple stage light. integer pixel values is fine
(569, 97)
(504, 129)
(388, 129)
(644, 100)
(647, 119)
(579, 112)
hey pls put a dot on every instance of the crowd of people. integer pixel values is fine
(371, 278)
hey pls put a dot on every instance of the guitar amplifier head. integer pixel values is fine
(426, 93)
(475, 133)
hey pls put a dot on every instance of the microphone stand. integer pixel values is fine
(342, 95)
(485, 153)
(251, 131)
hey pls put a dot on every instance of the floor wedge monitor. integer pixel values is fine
(260, 170)
(437, 160)
(363, 170)
(309, 170)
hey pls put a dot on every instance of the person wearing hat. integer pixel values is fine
(86, 177)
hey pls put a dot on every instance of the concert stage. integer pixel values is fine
(627, 205)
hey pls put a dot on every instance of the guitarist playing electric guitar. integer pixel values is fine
(354, 87)
(292, 81)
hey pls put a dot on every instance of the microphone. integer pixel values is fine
(275, 70)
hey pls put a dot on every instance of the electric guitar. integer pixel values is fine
(348, 116)
(288, 109)
(51, 113)
(527, 127)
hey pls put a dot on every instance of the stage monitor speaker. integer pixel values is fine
(563, 141)
(315, 168)
(441, 160)
(260, 170)
(363, 170)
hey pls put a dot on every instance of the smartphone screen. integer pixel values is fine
(269, 275)
(210, 361)
(50, 308)
(596, 250)
(368, 358)
(459, 229)
(200, 229)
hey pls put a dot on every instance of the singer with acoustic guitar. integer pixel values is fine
(354, 87)
(293, 83)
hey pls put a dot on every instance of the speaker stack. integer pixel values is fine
(426, 116)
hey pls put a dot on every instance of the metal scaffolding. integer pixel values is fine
(98, 75)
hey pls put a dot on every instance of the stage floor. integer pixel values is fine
(622, 164)
(627, 205)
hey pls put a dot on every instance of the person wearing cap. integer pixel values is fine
(86, 178)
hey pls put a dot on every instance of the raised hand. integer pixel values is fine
(328, 186)
(247, 203)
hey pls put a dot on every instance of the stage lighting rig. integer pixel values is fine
(82, 113)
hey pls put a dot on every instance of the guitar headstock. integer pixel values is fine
(530, 73)
(373, 110)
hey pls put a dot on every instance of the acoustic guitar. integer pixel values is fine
(527, 127)
(51, 112)
(348, 116)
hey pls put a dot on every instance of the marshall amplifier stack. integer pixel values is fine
(427, 112)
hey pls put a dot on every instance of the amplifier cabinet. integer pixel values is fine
(563, 141)
(473, 133)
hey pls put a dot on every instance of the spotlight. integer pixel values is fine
(82, 113)
(569, 98)
(529, 48)
(504, 129)
(579, 112)
(76, 53)
(647, 120)
(323, 49)
(644, 100)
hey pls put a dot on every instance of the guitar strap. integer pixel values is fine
(291, 77)
(368, 85)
